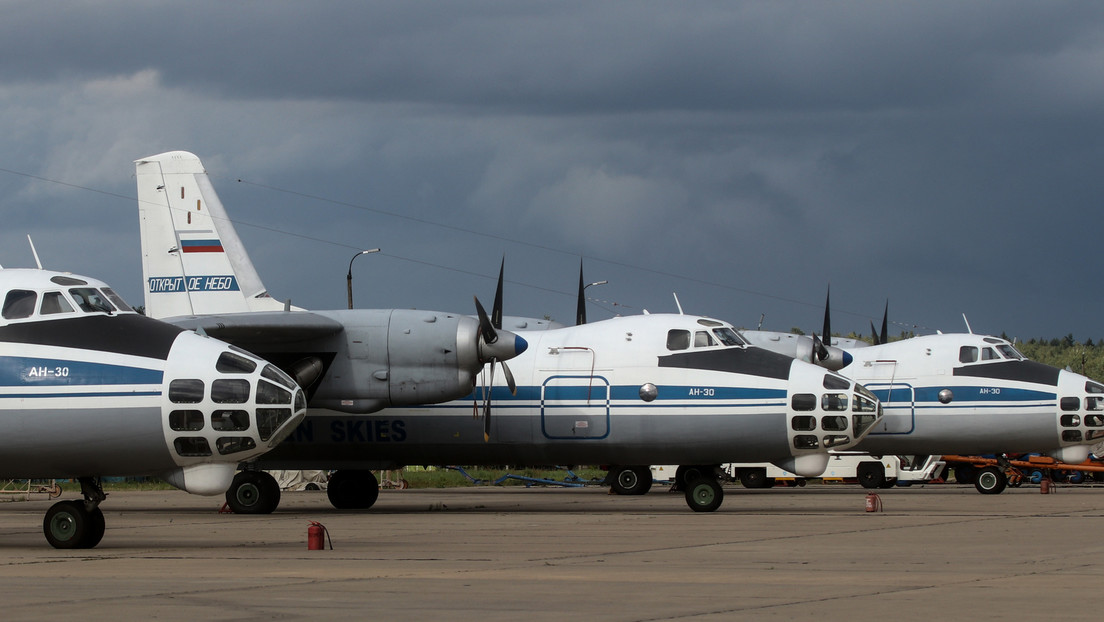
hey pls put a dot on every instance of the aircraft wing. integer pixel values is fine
(267, 328)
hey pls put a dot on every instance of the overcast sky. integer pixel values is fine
(945, 156)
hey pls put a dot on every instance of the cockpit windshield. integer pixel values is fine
(91, 300)
(729, 337)
(1010, 352)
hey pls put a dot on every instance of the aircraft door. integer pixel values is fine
(575, 407)
(898, 408)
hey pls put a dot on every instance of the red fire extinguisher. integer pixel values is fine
(315, 541)
(873, 503)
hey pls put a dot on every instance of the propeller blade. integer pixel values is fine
(885, 320)
(580, 308)
(496, 308)
(509, 379)
(487, 405)
(819, 351)
(485, 327)
(874, 334)
(827, 320)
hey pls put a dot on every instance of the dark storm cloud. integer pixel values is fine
(941, 154)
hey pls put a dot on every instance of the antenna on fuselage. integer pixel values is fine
(968, 329)
(677, 303)
(34, 252)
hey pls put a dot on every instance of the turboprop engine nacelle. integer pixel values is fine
(409, 357)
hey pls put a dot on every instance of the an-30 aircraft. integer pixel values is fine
(89, 388)
(675, 388)
(968, 394)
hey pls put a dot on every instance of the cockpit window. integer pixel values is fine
(1010, 353)
(678, 339)
(1094, 387)
(989, 354)
(19, 303)
(116, 299)
(703, 339)
(836, 383)
(729, 337)
(967, 354)
(90, 300)
(54, 302)
(230, 363)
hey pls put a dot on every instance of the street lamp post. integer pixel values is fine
(349, 276)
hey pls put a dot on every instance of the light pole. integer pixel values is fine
(349, 276)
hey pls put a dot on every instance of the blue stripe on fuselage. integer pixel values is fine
(19, 371)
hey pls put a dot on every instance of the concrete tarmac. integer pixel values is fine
(512, 553)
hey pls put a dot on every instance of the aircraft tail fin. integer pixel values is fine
(193, 262)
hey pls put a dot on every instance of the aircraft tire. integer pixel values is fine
(68, 525)
(704, 494)
(353, 489)
(965, 473)
(990, 481)
(631, 480)
(253, 492)
(755, 478)
(871, 475)
(96, 527)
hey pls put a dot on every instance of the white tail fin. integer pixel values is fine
(193, 262)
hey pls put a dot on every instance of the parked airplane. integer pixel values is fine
(89, 388)
(676, 388)
(969, 394)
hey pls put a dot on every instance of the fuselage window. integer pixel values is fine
(1094, 403)
(230, 420)
(230, 391)
(678, 339)
(54, 302)
(1071, 436)
(234, 444)
(192, 446)
(19, 303)
(834, 423)
(835, 440)
(833, 402)
(186, 420)
(1094, 421)
(967, 354)
(1071, 403)
(270, 419)
(268, 393)
(803, 423)
(989, 354)
(230, 363)
(703, 339)
(803, 402)
(275, 375)
(186, 391)
(90, 300)
(806, 441)
(1070, 421)
(729, 337)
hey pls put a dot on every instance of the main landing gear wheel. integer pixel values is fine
(253, 492)
(871, 475)
(704, 494)
(631, 480)
(353, 490)
(990, 481)
(70, 525)
(756, 478)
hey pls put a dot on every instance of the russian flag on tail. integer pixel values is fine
(201, 246)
